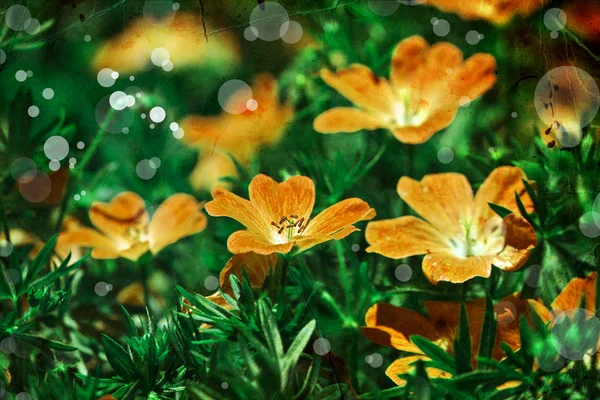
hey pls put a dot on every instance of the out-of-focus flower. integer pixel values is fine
(277, 217)
(427, 85)
(20, 237)
(583, 18)
(392, 326)
(461, 235)
(133, 295)
(240, 135)
(127, 231)
(498, 12)
(129, 51)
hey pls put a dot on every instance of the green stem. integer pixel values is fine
(348, 321)
(144, 271)
(343, 274)
(4, 220)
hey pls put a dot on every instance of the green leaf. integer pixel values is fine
(214, 311)
(297, 347)
(501, 211)
(120, 361)
(522, 209)
(462, 344)
(527, 343)
(311, 379)
(62, 270)
(488, 331)
(131, 329)
(434, 352)
(43, 257)
(43, 342)
(270, 330)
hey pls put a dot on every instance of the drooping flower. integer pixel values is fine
(498, 12)
(183, 37)
(278, 216)
(240, 134)
(427, 84)
(257, 267)
(392, 326)
(461, 236)
(127, 231)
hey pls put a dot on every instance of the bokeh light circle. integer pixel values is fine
(567, 99)
(234, 95)
(267, 18)
(17, 17)
(575, 333)
(36, 187)
(56, 147)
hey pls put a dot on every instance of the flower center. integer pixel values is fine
(405, 113)
(134, 235)
(286, 225)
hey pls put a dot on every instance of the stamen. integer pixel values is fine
(282, 220)
(293, 216)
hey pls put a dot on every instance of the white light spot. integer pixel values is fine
(48, 93)
(321, 346)
(158, 114)
(33, 111)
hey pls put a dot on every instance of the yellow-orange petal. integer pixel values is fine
(177, 217)
(124, 212)
(129, 51)
(408, 58)
(132, 253)
(448, 267)
(305, 242)
(571, 295)
(405, 365)
(444, 200)
(227, 204)
(362, 87)
(87, 238)
(421, 133)
(256, 266)
(248, 241)
(404, 237)
(497, 12)
(519, 239)
(339, 216)
(388, 325)
(431, 82)
(346, 119)
(476, 76)
(500, 188)
(210, 170)
(294, 197)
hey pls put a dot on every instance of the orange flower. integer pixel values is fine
(127, 230)
(498, 12)
(461, 236)
(392, 326)
(240, 135)
(277, 217)
(422, 97)
(583, 18)
(257, 266)
(130, 50)
(573, 293)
